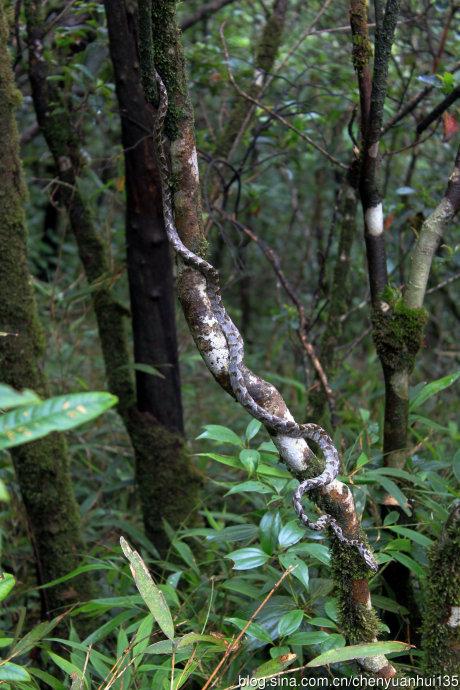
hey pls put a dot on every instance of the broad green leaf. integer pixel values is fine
(65, 665)
(249, 487)
(64, 412)
(245, 559)
(216, 432)
(269, 527)
(318, 551)
(10, 398)
(291, 560)
(304, 639)
(47, 678)
(148, 590)
(223, 459)
(387, 604)
(413, 535)
(409, 562)
(141, 640)
(6, 641)
(274, 666)
(233, 533)
(290, 622)
(273, 471)
(357, 651)
(7, 583)
(432, 389)
(254, 629)
(13, 672)
(322, 622)
(252, 429)
(290, 534)
(392, 489)
(78, 571)
(161, 647)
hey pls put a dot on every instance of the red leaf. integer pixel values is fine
(450, 126)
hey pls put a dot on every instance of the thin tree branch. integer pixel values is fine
(204, 12)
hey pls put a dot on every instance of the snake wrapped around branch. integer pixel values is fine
(235, 346)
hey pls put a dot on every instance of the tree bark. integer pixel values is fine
(441, 613)
(160, 454)
(42, 467)
(163, 48)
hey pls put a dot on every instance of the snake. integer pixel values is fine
(235, 345)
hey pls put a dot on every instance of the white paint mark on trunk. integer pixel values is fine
(454, 618)
(374, 220)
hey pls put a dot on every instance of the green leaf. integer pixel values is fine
(269, 527)
(223, 459)
(357, 651)
(290, 534)
(147, 369)
(234, 533)
(13, 672)
(149, 592)
(300, 572)
(409, 563)
(392, 489)
(387, 604)
(433, 388)
(64, 412)
(318, 551)
(413, 535)
(290, 622)
(254, 630)
(274, 666)
(252, 429)
(249, 487)
(246, 559)
(456, 465)
(4, 495)
(250, 459)
(30, 640)
(322, 622)
(7, 583)
(10, 398)
(216, 432)
(273, 471)
(186, 554)
(305, 639)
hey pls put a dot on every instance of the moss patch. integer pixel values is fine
(398, 332)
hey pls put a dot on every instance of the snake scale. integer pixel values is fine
(235, 346)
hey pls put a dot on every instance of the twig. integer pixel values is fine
(274, 114)
(274, 260)
(234, 645)
(443, 284)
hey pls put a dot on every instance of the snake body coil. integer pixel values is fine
(236, 352)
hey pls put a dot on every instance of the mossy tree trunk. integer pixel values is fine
(42, 467)
(441, 613)
(159, 449)
(161, 47)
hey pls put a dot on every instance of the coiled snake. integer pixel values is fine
(236, 352)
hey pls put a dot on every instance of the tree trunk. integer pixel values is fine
(160, 455)
(161, 48)
(42, 467)
(441, 614)
(151, 282)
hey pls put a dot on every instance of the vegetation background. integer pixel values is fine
(287, 101)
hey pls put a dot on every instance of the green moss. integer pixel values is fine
(357, 622)
(441, 642)
(168, 57)
(42, 467)
(398, 332)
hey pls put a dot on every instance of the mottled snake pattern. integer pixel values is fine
(235, 346)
